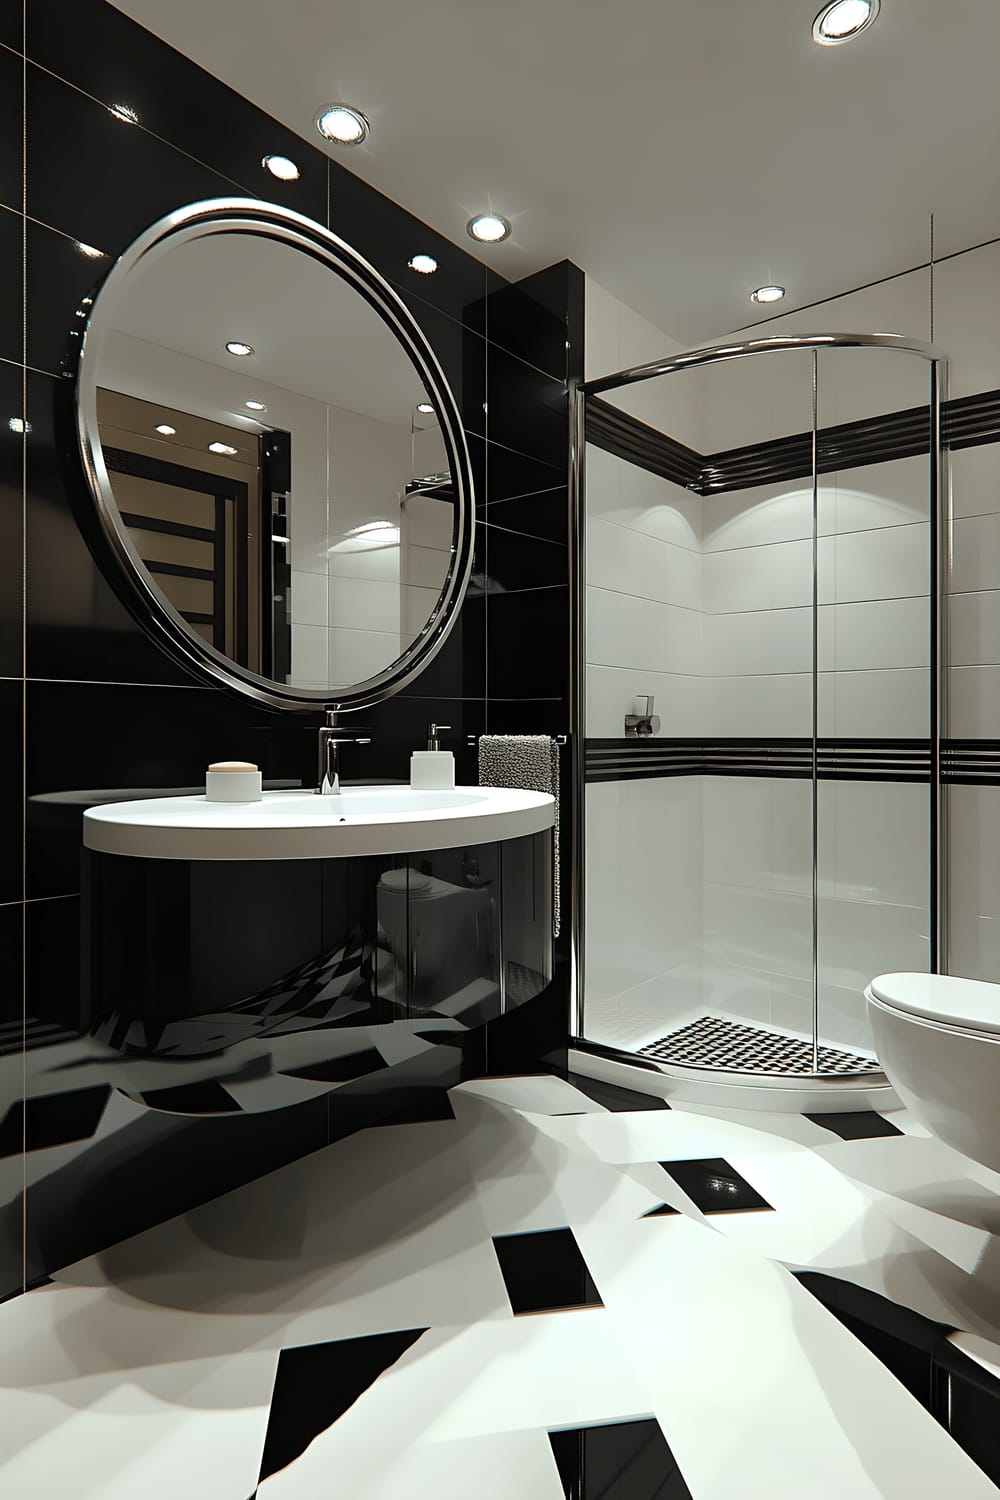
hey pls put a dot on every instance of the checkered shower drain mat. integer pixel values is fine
(714, 1042)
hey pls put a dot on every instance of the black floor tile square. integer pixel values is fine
(858, 1125)
(613, 1096)
(660, 1212)
(545, 1271)
(715, 1186)
(316, 1383)
(341, 1069)
(53, 1119)
(617, 1461)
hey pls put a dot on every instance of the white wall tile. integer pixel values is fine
(778, 576)
(875, 496)
(361, 604)
(758, 642)
(873, 842)
(768, 932)
(780, 705)
(974, 702)
(974, 854)
(756, 517)
(358, 654)
(975, 554)
(309, 653)
(891, 563)
(629, 495)
(884, 633)
(859, 940)
(881, 704)
(308, 598)
(634, 563)
(757, 832)
(975, 480)
(974, 629)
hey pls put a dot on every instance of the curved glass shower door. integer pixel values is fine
(758, 560)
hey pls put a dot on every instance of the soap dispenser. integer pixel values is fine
(433, 769)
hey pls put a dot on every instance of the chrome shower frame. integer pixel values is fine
(941, 537)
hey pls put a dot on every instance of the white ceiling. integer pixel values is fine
(680, 151)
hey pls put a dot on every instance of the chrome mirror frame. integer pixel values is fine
(110, 539)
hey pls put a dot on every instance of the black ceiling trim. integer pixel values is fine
(966, 422)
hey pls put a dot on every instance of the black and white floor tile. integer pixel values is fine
(558, 1288)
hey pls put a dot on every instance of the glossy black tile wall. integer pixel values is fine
(103, 712)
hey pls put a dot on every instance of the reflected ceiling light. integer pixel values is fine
(222, 448)
(843, 20)
(425, 407)
(90, 251)
(343, 124)
(255, 406)
(767, 294)
(281, 167)
(237, 347)
(124, 112)
(18, 424)
(370, 537)
(425, 264)
(488, 229)
(166, 430)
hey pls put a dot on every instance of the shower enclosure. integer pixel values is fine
(761, 539)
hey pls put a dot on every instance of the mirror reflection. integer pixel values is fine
(276, 459)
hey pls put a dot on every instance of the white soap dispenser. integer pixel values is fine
(433, 769)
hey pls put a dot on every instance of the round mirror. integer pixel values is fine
(282, 484)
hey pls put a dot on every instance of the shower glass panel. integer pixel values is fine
(874, 692)
(758, 544)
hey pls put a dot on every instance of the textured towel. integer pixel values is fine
(528, 763)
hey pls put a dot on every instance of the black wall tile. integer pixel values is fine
(461, 353)
(52, 966)
(524, 318)
(544, 514)
(11, 527)
(528, 644)
(11, 807)
(85, 738)
(11, 304)
(112, 58)
(11, 997)
(60, 274)
(11, 175)
(528, 411)
(510, 474)
(74, 142)
(76, 626)
(515, 561)
(389, 236)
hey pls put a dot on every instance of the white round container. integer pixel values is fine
(233, 781)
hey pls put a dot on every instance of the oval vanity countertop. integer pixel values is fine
(301, 825)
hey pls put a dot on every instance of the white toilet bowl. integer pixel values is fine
(938, 1041)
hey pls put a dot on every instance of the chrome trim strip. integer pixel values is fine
(577, 538)
(114, 548)
(714, 353)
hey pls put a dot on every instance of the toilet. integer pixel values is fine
(938, 1042)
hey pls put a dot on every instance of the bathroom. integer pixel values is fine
(631, 601)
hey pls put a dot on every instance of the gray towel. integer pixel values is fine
(528, 763)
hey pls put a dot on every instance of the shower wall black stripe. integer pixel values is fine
(963, 762)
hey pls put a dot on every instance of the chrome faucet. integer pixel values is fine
(331, 736)
(642, 722)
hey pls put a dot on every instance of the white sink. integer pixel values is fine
(301, 825)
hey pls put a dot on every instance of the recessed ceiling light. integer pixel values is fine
(125, 113)
(281, 167)
(425, 264)
(89, 250)
(489, 229)
(166, 430)
(255, 406)
(843, 20)
(237, 347)
(425, 407)
(767, 294)
(222, 448)
(342, 123)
